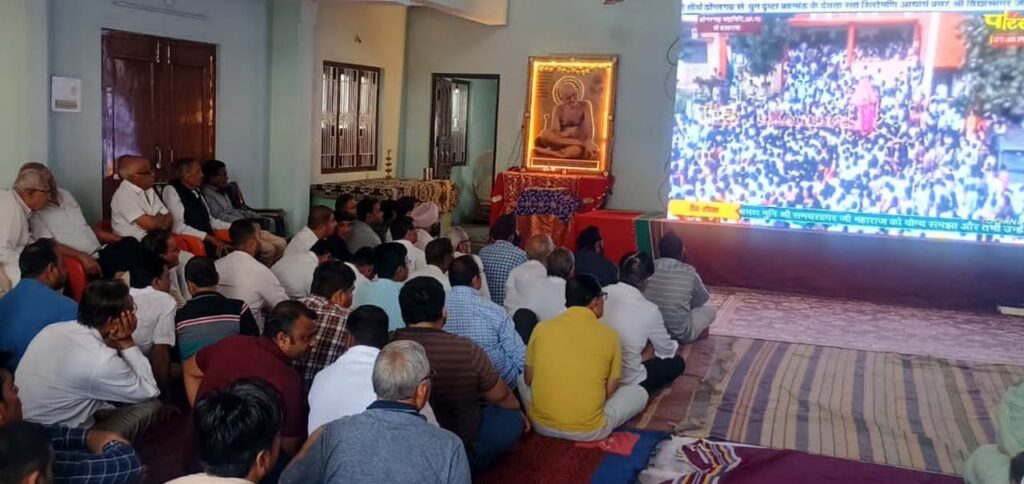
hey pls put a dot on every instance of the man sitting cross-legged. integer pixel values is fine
(403, 232)
(390, 441)
(465, 378)
(330, 299)
(320, 224)
(538, 248)
(209, 317)
(679, 292)
(163, 244)
(545, 296)
(155, 310)
(439, 256)
(243, 277)
(295, 269)
(389, 265)
(573, 364)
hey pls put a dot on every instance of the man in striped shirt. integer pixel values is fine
(679, 292)
(209, 316)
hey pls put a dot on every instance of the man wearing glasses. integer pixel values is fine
(30, 192)
(135, 207)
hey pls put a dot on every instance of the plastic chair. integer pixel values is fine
(223, 235)
(77, 280)
(191, 244)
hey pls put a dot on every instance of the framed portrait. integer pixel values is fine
(570, 106)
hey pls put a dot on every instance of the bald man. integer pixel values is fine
(135, 208)
(538, 248)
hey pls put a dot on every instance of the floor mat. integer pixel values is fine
(911, 411)
(986, 338)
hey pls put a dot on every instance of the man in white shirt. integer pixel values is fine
(538, 248)
(546, 296)
(73, 371)
(155, 332)
(639, 322)
(424, 217)
(30, 192)
(320, 224)
(439, 257)
(164, 245)
(463, 246)
(189, 210)
(244, 278)
(295, 270)
(404, 233)
(135, 207)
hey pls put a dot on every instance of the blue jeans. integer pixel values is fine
(500, 429)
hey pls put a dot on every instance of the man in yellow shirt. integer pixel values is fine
(573, 363)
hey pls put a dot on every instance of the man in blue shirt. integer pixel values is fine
(34, 303)
(390, 266)
(479, 319)
(502, 256)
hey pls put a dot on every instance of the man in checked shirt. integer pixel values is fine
(330, 297)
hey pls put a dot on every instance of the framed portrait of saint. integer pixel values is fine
(570, 108)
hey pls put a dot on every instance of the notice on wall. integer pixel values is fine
(66, 94)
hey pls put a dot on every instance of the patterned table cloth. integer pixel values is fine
(559, 202)
(444, 193)
(590, 190)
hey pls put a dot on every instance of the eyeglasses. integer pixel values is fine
(430, 376)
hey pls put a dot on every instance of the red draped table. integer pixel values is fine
(507, 196)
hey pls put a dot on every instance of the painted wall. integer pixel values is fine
(639, 32)
(240, 28)
(381, 43)
(24, 85)
(474, 179)
(487, 12)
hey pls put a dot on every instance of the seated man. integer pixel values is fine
(72, 371)
(295, 270)
(209, 317)
(330, 299)
(358, 447)
(346, 204)
(439, 257)
(368, 214)
(320, 224)
(573, 363)
(154, 311)
(135, 207)
(590, 257)
(464, 378)
(289, 333)
(389, 265)
(82, 456)
(538, 248)
(638, 323)
(31, 192)
(35, 302)
(990, 464)
(243, 277)
(336, 243)
(164, 245)
(404, 233)
(188, 208)
(479, 319)
(424, 217)
(362, 262)
(546, 296)
(215, 183)
(238, 430)
(679, 292)
(462, 245)
(502, 256)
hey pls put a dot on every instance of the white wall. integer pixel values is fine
(381, 30)
(240, 28)
(24, 85)
(639, 31)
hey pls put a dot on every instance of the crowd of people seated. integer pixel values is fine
(366, 334)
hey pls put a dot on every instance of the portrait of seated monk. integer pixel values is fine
(569, 129)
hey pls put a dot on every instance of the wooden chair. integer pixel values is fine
(238, 201)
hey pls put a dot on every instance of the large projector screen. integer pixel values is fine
(898, 117)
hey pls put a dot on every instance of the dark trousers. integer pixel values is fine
(525, 321)
(500, 429)
(661, 372)
(120, 256)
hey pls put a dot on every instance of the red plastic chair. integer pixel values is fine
(77, 280)
(191, 244)
(223, 235)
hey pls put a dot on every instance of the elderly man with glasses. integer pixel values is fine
(135, 207)
(30, 192)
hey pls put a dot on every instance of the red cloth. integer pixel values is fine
(590, 189)
(620, 443)
(618, 231)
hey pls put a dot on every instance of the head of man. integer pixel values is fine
(33, 165)
(345, 203)
(439, 252)
(33, 186)
(405, 205)
(162, 244)
(334, 280)
(672, 247)
(539, 247)
(321, 221)
(1017, 468)
(368, 326)
(504, 228)
(422, 302)
(189, 173)
(150, 270)
(584, 291)
(364, 261)
(402, 373)
(344, 228)
(402, 229)
(291, 325)
(26, 454)
(464, 272)
(389, 261)
(460, 240)
(137, 170)
(635, 269)
(590, 239)
(105, 305)
(322, 250)
(368, 211)
(215, 173)
(201, 275)
(39, 261)
(238, 430)
(561, 263)
(243, 236)
(10, 406)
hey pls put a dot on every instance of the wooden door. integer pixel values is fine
(190, 100)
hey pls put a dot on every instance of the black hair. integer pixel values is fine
(369, 326)
(341, 201)
(405, 205)
(332, 276)
(388, 209)
(363, 257)
(635, 268)
(103, 300)
(321, 248)
(145, 270)
(156, 241)
(36, 257)
(241, 231)
(462, 271)
(211, 167)
(25, 448)
(581, 290)
(344, 217)
(560, 263)
(388, 258)
(235, 424)
(504, 228)
(400, 227)
(439, 250)
(202, 272)
(284, 316)
(319, 216)
(588, 238)
(422, 300)
(1017, 468)
(365, 208)
(671, 246)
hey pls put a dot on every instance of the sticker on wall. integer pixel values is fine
(66, 94)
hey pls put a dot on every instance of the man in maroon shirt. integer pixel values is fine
(288, 334)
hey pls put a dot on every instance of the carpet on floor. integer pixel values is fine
(911, 411)
(859, 325)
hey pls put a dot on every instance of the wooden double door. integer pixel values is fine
(159, 101)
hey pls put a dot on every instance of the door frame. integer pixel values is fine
(497, 107)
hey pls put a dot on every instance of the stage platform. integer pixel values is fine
(909, 271)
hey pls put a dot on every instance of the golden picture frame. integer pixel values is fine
(570, 112)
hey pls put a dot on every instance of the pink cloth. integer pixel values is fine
(620, 443)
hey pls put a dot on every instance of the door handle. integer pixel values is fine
(159, 158)
(171, 158)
